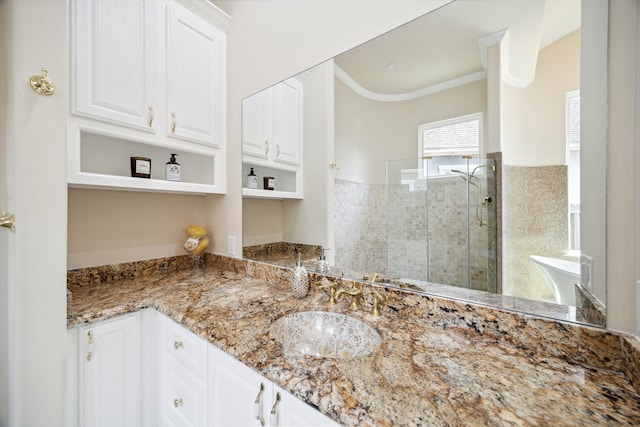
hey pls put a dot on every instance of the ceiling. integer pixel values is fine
(444, 44)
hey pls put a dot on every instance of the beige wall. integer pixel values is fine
(533, 118)
(368, 133)
(132, 225)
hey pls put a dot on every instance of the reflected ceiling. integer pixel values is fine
(449, 43)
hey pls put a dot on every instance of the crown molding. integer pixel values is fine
(398, 97)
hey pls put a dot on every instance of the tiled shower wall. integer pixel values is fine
(426, 236)
(534, 223)
(361, 227)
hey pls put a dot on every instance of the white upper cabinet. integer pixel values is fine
(272, 125)
(287, 122)
(114, 65)
(195, 78)
(148, 79)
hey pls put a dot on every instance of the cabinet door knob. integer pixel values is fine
(177, 402)
(173, 122)
(178, 345)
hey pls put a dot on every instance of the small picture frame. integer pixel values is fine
(269, 182)
(140, 167)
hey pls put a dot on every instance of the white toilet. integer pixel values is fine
(561, 275)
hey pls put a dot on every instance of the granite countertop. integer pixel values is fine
(441, 362)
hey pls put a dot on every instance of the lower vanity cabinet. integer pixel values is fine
(144, 369)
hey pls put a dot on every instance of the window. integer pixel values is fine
(573, 168)
(447, 141)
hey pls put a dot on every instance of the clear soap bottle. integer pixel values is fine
(299, 282)
(322, 265)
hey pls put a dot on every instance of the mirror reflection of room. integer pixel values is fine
(460, 170)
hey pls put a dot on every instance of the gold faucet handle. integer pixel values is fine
(332, 290)
(377, 299)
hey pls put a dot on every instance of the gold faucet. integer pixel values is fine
(355, 294)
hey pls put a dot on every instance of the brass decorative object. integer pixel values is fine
(8, 221)
(41, 84)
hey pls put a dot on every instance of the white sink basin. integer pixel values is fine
(325, 334)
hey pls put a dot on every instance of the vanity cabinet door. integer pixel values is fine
(239, 395)
(293, 412)
(256, 125)
(196, 70)
(113, 61)
(110, 373)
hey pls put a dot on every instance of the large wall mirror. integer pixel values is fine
(444, 157)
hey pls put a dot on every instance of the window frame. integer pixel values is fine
(479, 117)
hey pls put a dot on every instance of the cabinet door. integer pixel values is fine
(109, 380)
(113, 68)
(239, 395)
(256, 124)
(287, 122)
(293, 412)
(195, 78)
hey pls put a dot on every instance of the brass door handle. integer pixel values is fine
(8, 221)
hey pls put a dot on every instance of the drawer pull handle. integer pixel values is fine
(174, 122)
(177, 402)
(273, 418)
(266, 148)
(257, 406)
(277, 151)
(178, 345)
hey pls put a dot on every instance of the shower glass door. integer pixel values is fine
(441, 221)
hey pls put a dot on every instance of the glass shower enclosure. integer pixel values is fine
(441, 220)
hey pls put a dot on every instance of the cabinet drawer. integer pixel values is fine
(184, 397)
(184, 347)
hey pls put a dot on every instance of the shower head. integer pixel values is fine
(465, 176)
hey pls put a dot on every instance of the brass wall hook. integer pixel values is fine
(41, 84)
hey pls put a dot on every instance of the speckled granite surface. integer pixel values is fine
(441, 363)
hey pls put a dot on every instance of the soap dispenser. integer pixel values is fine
(299, 282)
(252, 179)
(172, 169)
(322, 266)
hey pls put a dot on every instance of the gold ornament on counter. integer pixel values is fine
(197, 242)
